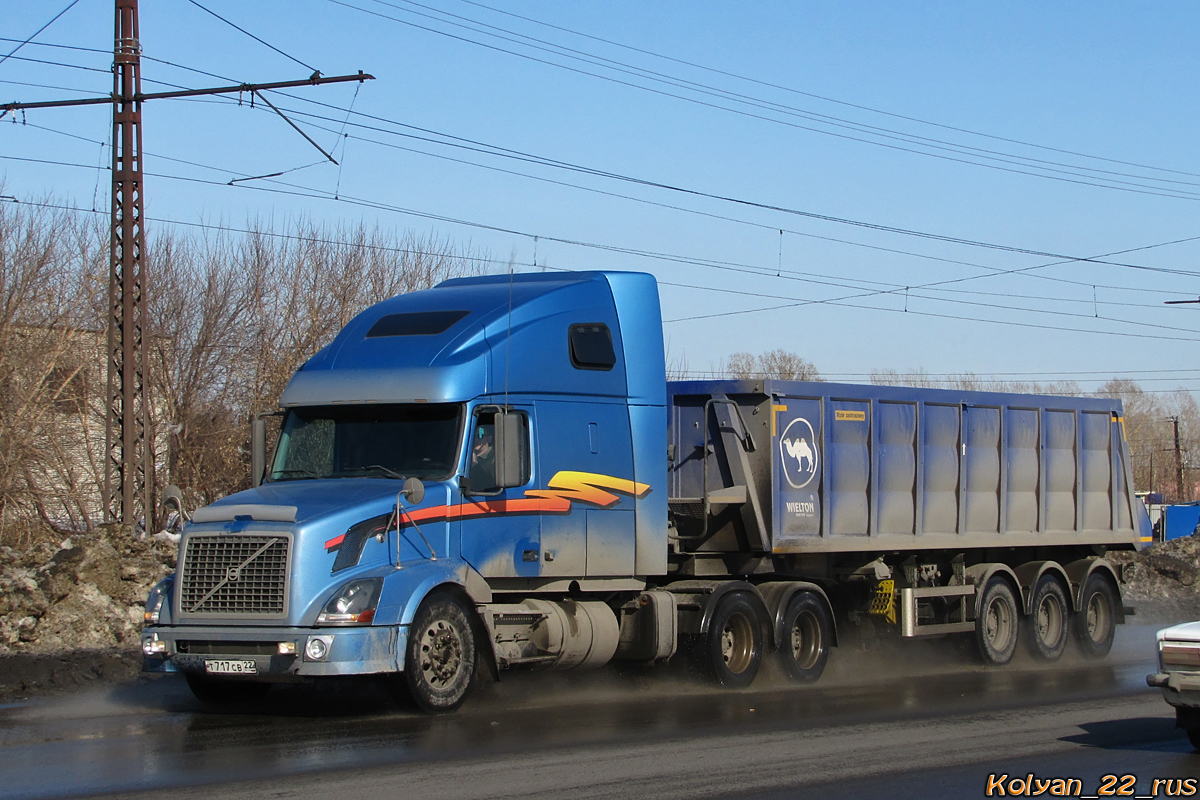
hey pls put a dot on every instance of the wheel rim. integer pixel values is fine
(1050, 620)
(806, 641)
(441, 654)
(1097, 618)
(998, 624)
(737, 643)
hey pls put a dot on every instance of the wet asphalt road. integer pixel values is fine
(917, 721)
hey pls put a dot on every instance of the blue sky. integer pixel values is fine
(1106, 90)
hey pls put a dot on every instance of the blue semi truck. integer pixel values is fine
(494, 473)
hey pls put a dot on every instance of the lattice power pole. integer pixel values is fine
(129, 458)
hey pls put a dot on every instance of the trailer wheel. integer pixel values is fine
(1049, 621)
(807, 631)
(1096, 622)
(220, 691)
(439, 661)
(997, 622)
(731, 651)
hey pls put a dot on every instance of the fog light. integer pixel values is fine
(317, 647)
(287, 648)
(153, 647)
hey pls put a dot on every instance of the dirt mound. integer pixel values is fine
(1162, 581)
(76, 607)
(26, 674)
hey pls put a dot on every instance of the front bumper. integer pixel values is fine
(349, 651)
(1178, 688)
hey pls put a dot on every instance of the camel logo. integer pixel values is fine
(798, 453)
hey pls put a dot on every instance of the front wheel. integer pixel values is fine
(1096, 622)
(807, 632)
(997, 622)
(731, 651)
(439, 660)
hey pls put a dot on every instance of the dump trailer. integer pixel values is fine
(494, 474)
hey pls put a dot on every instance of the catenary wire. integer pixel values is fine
(826, 98)
(39, 30)
(1161, 193)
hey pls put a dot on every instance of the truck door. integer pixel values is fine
(591, 539)
(499, 533)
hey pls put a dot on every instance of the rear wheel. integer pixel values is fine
(806, 635)
(1194, 738)
(997, 622)
(223, 691)
(1048, 619)
(1096, 622)
(731, 651)
(440, 657)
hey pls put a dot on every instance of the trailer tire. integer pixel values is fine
(731, 651)
(806, 634)
(220, 691)
(1049, 619)
(1096, 621)
(440, 657)
(997, 622)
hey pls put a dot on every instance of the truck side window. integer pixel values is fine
(591, 346)
(485, 473)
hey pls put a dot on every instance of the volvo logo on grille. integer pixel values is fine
(232, 574)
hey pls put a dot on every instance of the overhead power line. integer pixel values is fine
(626, 68)
(39, 30)
(498, 151)
(911, 139)
(790, 274)
(824, 98)
(300, 191)
(252, 36)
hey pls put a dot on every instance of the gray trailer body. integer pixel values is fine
(787, 467)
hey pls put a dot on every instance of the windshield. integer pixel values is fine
(376, 441)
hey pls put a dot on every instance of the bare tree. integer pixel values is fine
(230, 318)
(779, 364)
(238, 315)
(48, 343)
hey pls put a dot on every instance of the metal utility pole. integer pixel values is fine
(129, 453)
(1179, 498)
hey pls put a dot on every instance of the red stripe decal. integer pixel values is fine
(564, 489)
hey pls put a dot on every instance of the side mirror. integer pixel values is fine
(172, 496)
(413, 491)
(510, 446)
(258, 450)
(258, 445)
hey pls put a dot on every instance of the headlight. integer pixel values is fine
(1179, 654)
(353, 604)
(154, 601)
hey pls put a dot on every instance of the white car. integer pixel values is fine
(1179, 675)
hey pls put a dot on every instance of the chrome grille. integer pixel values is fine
(234, 574)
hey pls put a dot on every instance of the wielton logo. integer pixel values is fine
(798, 453)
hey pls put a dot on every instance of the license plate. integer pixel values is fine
(215, 666)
